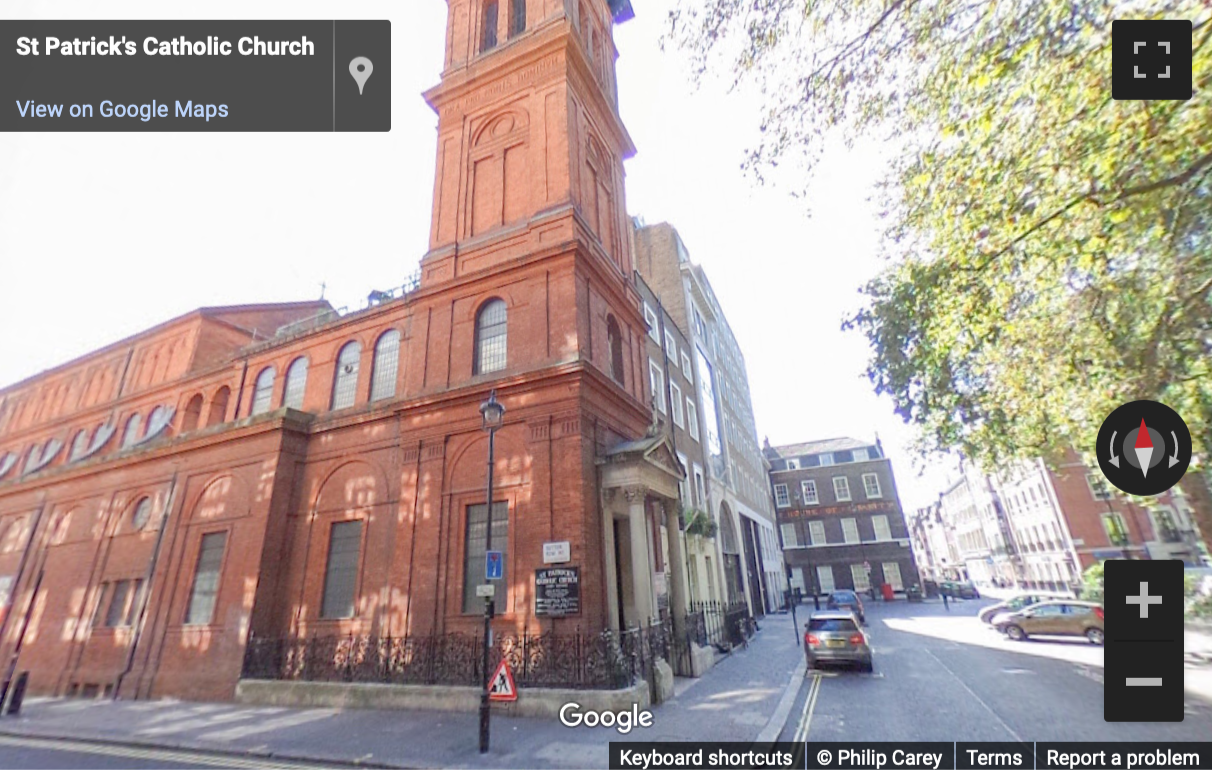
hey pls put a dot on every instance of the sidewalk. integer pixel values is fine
(735, 701)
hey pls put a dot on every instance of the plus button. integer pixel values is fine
(1144, 599)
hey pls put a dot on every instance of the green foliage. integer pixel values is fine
(700, 523)
(1049, 248)
(1092, 584)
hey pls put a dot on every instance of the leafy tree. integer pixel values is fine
(1092, 584)
(1049, 253)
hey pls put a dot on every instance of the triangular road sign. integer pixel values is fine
(502, 687)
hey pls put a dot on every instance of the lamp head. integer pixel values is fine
(493, 411)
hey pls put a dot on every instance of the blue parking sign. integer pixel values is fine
(493, 565)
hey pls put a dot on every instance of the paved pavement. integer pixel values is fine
(735, 701)
(943, 675)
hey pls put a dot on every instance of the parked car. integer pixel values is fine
(1054, 618)
(835, 637)
(1016, 603)
(846, 600)
(960, 590)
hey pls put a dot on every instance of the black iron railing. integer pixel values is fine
(583, 661)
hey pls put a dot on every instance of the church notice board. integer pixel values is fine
(557, 591)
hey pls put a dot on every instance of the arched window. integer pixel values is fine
(133, 432)
(218, 407)
(615, 339)
(296, 384)
(142, 512)
(155, 422)
(385, 366)
(79, 445)
(193, 414)
(490, 337)
(263, 393)
(488, 40)
(517, 17)
(345, 382)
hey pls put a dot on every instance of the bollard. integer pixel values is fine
(14, 703)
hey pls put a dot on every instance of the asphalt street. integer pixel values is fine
(945, 676)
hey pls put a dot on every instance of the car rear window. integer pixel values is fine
(831, 624)
(843, 596)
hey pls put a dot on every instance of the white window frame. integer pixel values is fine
(650, 317)
(883, 532)
(656, 379)
(850, 531)
(1106, 494)
(793, 464)
(675, 402)
(823, 571)
(671, 346)
(686, 366)
(896, 581)
(860, 454)
(862, 581)
(809, 492)
(684, 484)
(873, 479)
(790, 540)
(816, 532)
(782, 499)
(692, 418)
(700, 486)
(826, 458)
(843, 489)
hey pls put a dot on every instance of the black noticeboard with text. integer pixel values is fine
(557, 591)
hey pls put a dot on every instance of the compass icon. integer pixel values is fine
(1144, 448)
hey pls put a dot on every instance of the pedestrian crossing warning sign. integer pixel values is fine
(502, 687)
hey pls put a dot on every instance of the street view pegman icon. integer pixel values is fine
(1151, 59)
(1144, 448)
(360, 67)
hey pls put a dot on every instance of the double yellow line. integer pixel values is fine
(814, 689)
(154, 755)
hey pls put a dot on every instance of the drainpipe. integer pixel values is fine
(240, 392)
(145, 600)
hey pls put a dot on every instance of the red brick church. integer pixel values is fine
(288, 471)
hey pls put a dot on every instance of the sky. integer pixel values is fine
(104, 235)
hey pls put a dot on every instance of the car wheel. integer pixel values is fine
(1095, 635)
(1016, 633)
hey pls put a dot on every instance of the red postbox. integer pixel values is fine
(887, 588)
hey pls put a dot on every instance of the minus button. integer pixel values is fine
(1144, 681)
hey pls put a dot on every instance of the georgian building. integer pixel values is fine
(840, 516)
(287, 471)
(738, 496)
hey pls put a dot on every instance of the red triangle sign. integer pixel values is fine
(502, 686)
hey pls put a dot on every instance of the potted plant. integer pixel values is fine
(700, 523)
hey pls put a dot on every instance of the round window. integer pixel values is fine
(142, 513)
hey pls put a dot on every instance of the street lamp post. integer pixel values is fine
(492, 411)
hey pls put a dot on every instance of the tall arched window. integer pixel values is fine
(488, 38)
(296, 384)
(263, 392)
(490, 337)
(218, 407)
(385, 366)
(345, 382)
(134, 427)
(193, 414)
(517, 17)
(615, 339)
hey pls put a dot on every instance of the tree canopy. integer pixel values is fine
(1049, 252)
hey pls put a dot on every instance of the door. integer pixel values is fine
(1045, 619)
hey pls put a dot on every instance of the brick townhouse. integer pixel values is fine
(286, 471)
(840, 516)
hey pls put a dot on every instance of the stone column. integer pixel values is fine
(612, 582)
(641, 566)
(677, 567)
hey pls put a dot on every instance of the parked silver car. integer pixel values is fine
(1018, 602)
(836, 637)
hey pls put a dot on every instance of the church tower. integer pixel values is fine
(530, 143)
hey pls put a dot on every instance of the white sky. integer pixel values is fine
(103, 235)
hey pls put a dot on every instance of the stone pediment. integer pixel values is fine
(651, 450)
